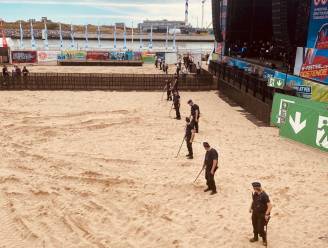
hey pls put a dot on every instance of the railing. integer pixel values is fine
(246, 82)
(119, 82)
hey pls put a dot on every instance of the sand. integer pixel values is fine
(97, 169)
(145, 69)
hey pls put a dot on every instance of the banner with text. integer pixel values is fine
(24, 57)
(47, 56)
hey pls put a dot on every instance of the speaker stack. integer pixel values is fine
(216, 19)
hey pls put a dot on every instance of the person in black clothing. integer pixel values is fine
(25, 71)
(166, 69)
(176, 103)
(195, 114)
(5, 72)
(260, 209)
(211, 165)
(18, 71)
(190, 134)
(176, 84)
(168, 90)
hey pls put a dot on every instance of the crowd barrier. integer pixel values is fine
(119, 82)
(248, 90)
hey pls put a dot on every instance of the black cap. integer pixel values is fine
(187, 119)
(190, 101)
(256, 185)
(206, 144)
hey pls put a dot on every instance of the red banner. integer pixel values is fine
(24, 56)
(97, 55)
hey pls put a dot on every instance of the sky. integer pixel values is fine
(105, 12)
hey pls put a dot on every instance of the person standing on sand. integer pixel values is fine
(189, 137)
(168, 90)
(260, 209)
(211, 165)
(195, 113)
(176, 103)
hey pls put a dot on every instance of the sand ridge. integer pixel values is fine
(97, 169)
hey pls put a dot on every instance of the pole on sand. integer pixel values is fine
(184, 137)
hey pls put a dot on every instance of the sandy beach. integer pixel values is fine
(98, 169)
(145, 69)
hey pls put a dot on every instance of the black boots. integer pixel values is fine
(255, 239)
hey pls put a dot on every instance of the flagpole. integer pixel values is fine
(86, 45)
(46, 44)
(21, 45)
(72, 37)
(140, 42)
(132, 36)
(61, 37)
(115, 37)
(167, 37)
(32, 38)
(124, 38)
(98, 34)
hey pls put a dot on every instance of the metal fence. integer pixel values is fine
(119, 82)
(248, 90)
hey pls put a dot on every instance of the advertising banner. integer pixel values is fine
(316, 61)
(72, 55)
(282, 102)
(307, 125)
(148, 58)
(24, 56)
(95, 55)
(47, 56)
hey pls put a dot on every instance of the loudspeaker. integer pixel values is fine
(216, 19)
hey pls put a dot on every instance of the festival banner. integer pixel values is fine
(24, 57)
(72, 55)
(95, 55)
(148, 58)
(315, 65)
(47, 56)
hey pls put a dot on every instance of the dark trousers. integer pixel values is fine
(189, 146)
(169, 96)
(177, 111)
(210, 179)
(258, 221)
(196, 125)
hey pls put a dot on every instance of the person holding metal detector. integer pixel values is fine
(168, 88)
(260, 209)
(195, 114)
(211, 165)
(189, 137)
(176, 103)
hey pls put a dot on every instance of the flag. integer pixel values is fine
(61, 37)
(33, 45)
(98, 36)
(151, 38)
(21, 43)
(132, 35)
(86, 44)
(140, 43)
(124, 38)
(167, 37)
(115, 36)
(4, 40)
(174, 38)
(46, 44)
(72, 37)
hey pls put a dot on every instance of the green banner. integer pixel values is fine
(307, 125)
(282, 102)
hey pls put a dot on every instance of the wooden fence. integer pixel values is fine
(119, 82)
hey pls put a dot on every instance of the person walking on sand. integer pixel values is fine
(190, 135)
(176, 103)
(211, 165)
(195, 113)
(260, 209)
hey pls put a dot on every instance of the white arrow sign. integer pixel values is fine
(296, 124)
